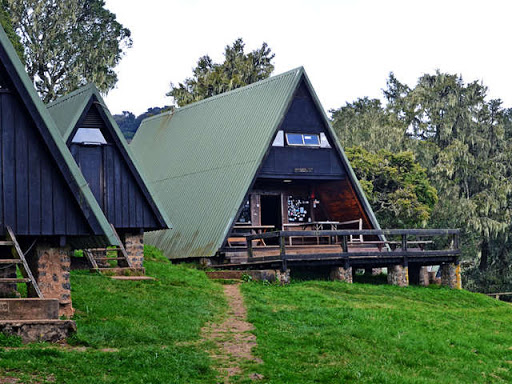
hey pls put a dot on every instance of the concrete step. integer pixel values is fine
(39, 330)
(29, 309)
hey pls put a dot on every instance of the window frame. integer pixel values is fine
(303, 140)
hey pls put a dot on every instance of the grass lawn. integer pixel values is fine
(332, 332)
(128, 332)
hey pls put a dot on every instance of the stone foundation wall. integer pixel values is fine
(398, 275)
(134, 245)
(52, 266)
(450, 276)
(283, 277)
(341, 274)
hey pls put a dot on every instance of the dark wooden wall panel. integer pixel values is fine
(111, 180)
(283, 162)
(35, 200)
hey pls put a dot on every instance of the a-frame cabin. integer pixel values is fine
(263, 155)
(255, 178)
(102, 154)
(46, 206)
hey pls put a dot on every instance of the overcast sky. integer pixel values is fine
(347, 47)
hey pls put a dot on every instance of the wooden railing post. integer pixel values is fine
(404, 242)
(282, 251)
(250, 253)
(344, 243)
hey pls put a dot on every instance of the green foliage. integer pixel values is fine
(396, 186)
(5, 21)
(367, 124)
(68, 43)
(129, 124)
(328, 332)
(128, 331)
(464, 142)
(238, 69)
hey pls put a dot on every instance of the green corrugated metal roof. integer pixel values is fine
(201, 160)
(66, 112)
(86, 197)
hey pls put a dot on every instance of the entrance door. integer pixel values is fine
(270, 206)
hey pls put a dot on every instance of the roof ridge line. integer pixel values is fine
(71, 95)
(233, 91)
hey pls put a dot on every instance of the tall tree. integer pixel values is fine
(68, 43)
(5, 21)
(396, 186)
(366, 123)
(237, 70)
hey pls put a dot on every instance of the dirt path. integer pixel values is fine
(233, 339)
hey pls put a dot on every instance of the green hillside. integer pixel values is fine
(307, 332)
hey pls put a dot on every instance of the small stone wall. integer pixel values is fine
(398, 275)
(341, 274)
(52, 276)
(450, 276)
(134, 245)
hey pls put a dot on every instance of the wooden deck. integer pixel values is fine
(415, 246)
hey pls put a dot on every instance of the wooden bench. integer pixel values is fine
(239, 241)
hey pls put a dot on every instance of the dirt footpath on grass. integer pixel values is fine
(233, 338)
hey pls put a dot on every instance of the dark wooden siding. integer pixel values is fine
(303, 162)
(34, 198)
(111, 180)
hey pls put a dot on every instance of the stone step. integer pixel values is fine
(120, 271)
(31, 331)
(132, 278)
(263, 274)
(29, 309)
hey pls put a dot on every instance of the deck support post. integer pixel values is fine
(283, 277)
(134, 245)
(51, 267)
(398, 275)
(450, 275)
(342, 274)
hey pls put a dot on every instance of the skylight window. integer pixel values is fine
(303, 139)
(89, 136)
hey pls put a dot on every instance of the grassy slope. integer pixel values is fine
(135, 332)
(327, 332)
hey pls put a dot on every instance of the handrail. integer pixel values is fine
(355, 232)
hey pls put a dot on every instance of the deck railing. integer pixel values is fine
(413, 243)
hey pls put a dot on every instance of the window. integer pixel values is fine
(304, 140)
(91, 136)
(279, 140)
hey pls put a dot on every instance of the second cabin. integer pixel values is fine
(101, 153)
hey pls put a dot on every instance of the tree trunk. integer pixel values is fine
(484, 258)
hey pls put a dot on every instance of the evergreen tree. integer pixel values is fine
(238, 69)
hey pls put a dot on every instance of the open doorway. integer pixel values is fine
(270, 206)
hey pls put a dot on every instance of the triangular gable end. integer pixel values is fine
(304, 150)
(126, 201)
(93, 137)
(43, 192)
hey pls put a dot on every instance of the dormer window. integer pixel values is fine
(89, 136)
(303, 139)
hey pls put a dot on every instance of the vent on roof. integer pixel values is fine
(92, 119)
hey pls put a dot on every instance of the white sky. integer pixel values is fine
(347, 47)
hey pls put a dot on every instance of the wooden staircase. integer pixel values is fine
(18, 259)
(111, 259)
